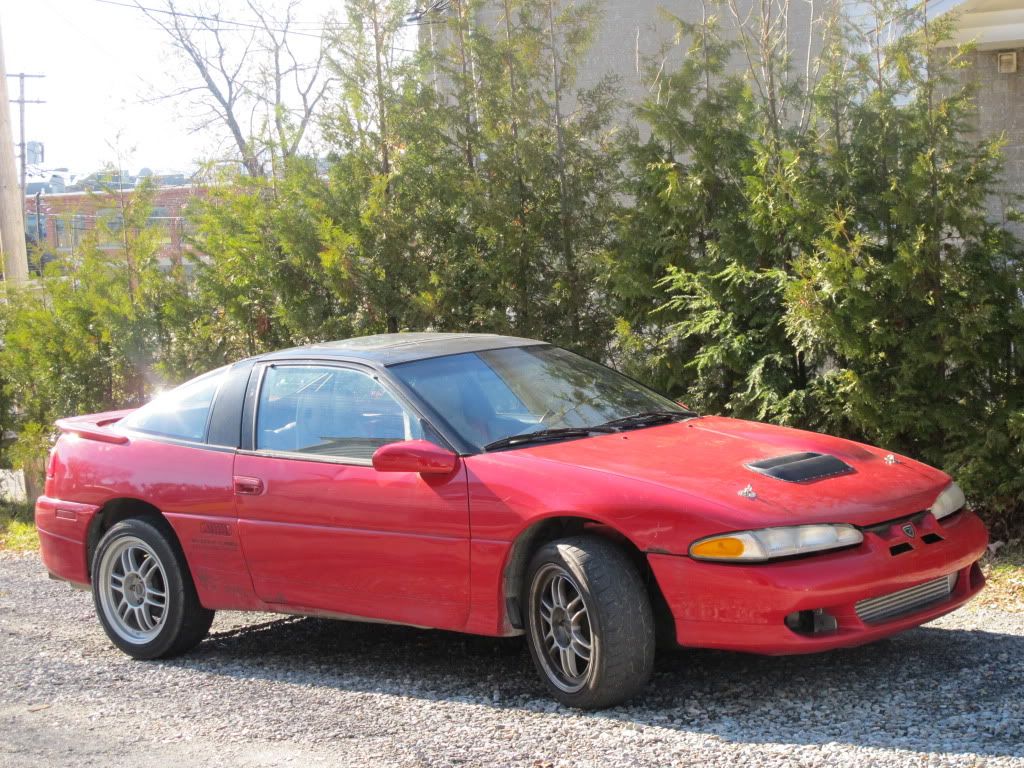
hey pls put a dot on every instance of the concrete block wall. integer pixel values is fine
(633, 31)
(1000, 102)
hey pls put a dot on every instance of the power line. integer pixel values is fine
(46, 210)
(415, 19)
(435, 6)
(199, 17)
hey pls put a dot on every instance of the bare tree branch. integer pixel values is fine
(251, 80)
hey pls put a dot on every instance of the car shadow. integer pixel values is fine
(930, 689)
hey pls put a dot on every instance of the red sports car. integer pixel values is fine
(497, 486)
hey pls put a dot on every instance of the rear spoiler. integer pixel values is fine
(94, 426)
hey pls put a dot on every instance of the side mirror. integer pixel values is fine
(415, 456)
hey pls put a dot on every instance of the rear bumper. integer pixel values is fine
(744, 607)
(63, 537)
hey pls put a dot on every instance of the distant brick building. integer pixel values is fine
(63, 219)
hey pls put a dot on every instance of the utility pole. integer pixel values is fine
(21, 101)
(12, 201)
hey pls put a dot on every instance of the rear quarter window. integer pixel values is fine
(182, 413)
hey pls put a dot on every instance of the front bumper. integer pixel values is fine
(744, 607)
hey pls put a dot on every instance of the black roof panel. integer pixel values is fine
(392, 348)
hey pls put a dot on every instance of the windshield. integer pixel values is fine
(488, 396)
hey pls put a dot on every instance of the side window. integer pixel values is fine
(182, 413)
(325, 411)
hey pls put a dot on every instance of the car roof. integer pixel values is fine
(393, 348)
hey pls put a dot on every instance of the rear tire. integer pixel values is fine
(590, 628)
(143, 592)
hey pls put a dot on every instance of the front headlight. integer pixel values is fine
(770, 543)
(950, 500)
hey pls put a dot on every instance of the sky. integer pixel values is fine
(103, 63)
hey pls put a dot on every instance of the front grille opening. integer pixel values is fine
(815, 622)
(899, 549)
(931, 538)
(877, 610)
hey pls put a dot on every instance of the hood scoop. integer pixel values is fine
(801, 467)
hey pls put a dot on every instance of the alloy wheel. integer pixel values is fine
(133, 590)
(562, 629)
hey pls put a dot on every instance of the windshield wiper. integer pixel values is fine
(648, 419)
(543, 435)
(645, 419)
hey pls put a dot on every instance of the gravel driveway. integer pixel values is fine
(271, 691)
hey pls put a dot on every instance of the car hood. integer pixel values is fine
(706, 459)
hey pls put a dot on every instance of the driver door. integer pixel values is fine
(321, 529)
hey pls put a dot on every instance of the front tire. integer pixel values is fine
(143, 592)
(590, 627)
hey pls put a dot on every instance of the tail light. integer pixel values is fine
(51, 464)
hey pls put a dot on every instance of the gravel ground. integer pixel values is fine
(270, 691)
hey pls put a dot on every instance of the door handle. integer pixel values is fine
(248, 486)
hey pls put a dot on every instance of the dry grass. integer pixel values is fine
(17, 528)
(1005, 573)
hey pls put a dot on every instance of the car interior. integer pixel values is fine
(328, 412)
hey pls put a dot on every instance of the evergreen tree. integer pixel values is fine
(910, 294)
(836, 272)
(721, 209)
(89, 335)
(539, 169)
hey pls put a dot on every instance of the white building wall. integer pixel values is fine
(634, 31)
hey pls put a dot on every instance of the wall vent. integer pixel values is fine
(1007, 62)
